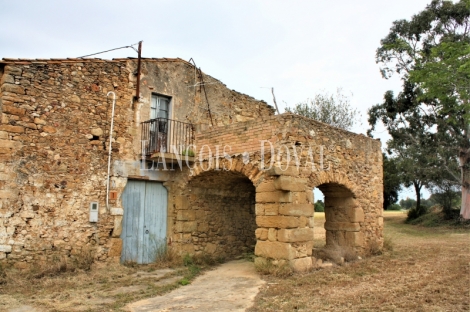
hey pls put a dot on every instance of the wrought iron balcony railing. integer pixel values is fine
(166, 136)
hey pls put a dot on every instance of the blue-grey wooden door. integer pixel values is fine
(144, 222)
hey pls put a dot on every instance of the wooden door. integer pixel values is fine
(144, 223)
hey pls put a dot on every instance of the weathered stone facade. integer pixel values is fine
(54, 137)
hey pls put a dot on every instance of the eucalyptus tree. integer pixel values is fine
(431, 53)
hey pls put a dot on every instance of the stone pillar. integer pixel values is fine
(343, 222)
(284, 216)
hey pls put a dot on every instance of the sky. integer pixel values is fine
(299, 48)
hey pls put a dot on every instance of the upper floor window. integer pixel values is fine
(160, 107)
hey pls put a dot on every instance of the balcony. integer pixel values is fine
(171, 138)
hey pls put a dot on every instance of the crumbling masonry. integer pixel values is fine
(242, 181)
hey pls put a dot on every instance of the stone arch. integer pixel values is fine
(344, 216)
(214, 212)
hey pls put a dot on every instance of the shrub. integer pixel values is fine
(394, 207)
(415, 213)
(278, 268)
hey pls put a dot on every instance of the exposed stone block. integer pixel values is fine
(13, 129)
(356, 214)
(39, 121)
(185, 227)
(277, 221)
(296, 210)
(274, 250)
(261, 234)
(116, 211)
(7, 109)
(27, 214)
(342, 226)
(354, 239)
(295, 235)
(266, 186)
(302, 264)
(8, 194)
(272, 234)
(13, 88)
(10, 144)
(288, 183)
(13, 70)
(5, 248)
(186, 215)
(274, 197)
(117, 229)
(49, 129)
(115, 248)
(6, 78)
(181, 202)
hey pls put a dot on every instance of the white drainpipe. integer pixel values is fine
(110, 148)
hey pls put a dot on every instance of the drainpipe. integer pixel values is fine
(110, 147)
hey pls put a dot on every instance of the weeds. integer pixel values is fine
(277, 268)
(336, 254)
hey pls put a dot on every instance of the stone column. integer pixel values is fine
(284, 216)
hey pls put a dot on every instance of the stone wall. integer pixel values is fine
(54, 135)
(323, 156)
(219, 219)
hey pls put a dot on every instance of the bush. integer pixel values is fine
(394, 207)
(415, 213)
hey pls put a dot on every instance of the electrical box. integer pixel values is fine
(93, 212)
(113, 195)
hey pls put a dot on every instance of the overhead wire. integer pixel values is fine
(129, 46)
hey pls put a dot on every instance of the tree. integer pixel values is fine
(335, 110)
(319, 206)
(408, 203)
(431, 54)
(392, 181)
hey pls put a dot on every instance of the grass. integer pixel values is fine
(420, 269)
(81, 285)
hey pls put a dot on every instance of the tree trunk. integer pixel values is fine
(417, 186)
(465, 168)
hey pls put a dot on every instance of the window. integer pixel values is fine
(159, 128)
(160, 107)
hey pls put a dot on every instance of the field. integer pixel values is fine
(427, 270)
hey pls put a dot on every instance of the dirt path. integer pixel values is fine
(229, 287)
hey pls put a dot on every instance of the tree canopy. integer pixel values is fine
(332, 109)
(429, 119)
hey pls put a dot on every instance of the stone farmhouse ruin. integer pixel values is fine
(193, 166)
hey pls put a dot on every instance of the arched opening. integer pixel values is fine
(222, 213)
(319, 234)
(343, 217)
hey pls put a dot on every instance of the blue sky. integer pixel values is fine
(299, 48)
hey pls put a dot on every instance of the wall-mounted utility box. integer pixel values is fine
(94, 212)
(113, 195)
